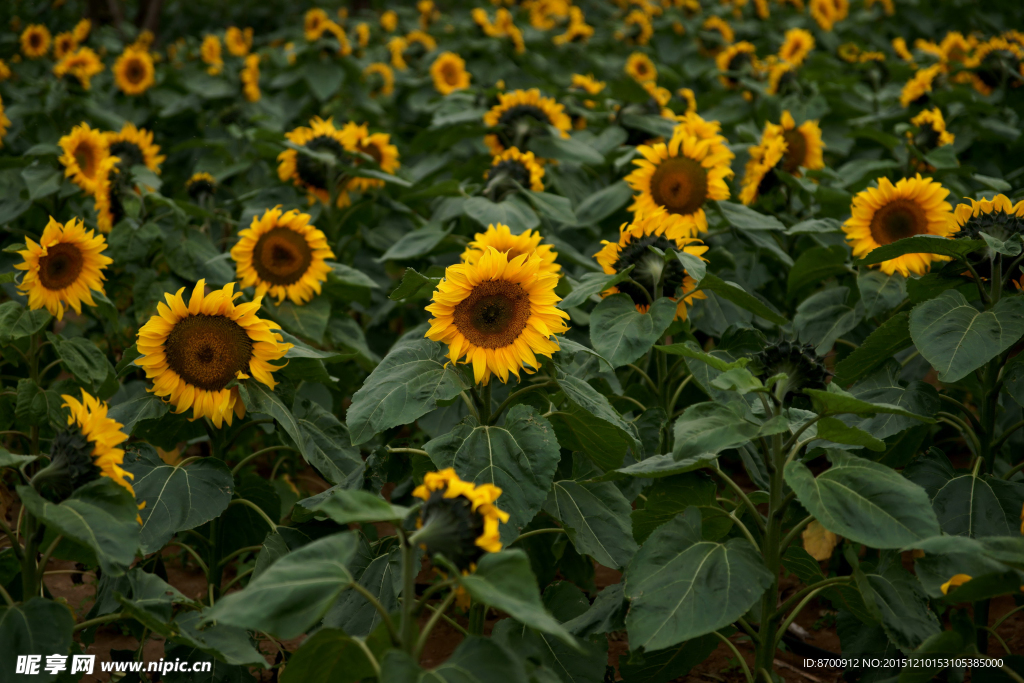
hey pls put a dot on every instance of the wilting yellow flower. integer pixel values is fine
(210, 52)
(819, 542)
(500, 237)
(314, 24)
(397, 46)
(587, 83)
(199, 184)
(829, 12)
(64, 268)
(35, 41)
(640, 68)
(389, 20)
(387, 77)
(133, 72)
(466, 511)
(720, 26)
(449, 73)
(239, 42)
(363, 34)
(734, 59)
(899, 46)
(84, 149)
(82, 29)
(578, 30)
(641, 28)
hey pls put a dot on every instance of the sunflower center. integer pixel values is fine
(35, 40)
(281, 256)
(898, 219)
(61, 266)
(128, 152)
(928, 138)
(494, 315)
(135, 73)
(512, 169)
(208, 351)
(85, 156)
(680, 184)
(451, 74)
(796, 150)
(372, 150)
(311, 170)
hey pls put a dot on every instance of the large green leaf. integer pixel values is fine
(957, 338)
(329, 655)
(836, 401)
(978, 506)
(259, 398)
(622, 334)
(227, 643)
(603, 203)
(741, 298)
(327, 445)
(512, 212)
(814, 265)
(407, 384)
(922, 244)
(100, 515)
(551, 205)
(670, 496)
(712, 428)
(416, 244)
(308, 321)
(880, 292)
(177, 498)
(665, 465)
(16, 321)
(668, 664)
(745, 218)
(346, 507)
(83, 359)
(682, 587)
(143, 406)
(591, 284)
(824, 317)
(906, 617)
(883, 343)
(863, 501)
(579, 430)
(475, 660)
(519, 457)
(35, 627)
(884, 387)
(382, 578)
(294, 592)
(594, 404)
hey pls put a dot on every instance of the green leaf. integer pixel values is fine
(603, 203)
(144, 406)
(741, 298)
(411, 284)
(863, 501)
(883, 386)
(745, 218)
(578, 429)
(35, 627)
(622, 334)
(836, 431)
(259, 398)
(382, 578)
(42, 180)
(591, 284)
(36, 407)
(705, 428)
(596, 519)
(596, 404)
(835, 401)
(16, 321)
(691, 350)
(975, 506)
(406, 385)
(824, 317)
(883, 343)
(329, 655)
(8, 459)
(177, 498)
(922, 244)
(415, 245)
(192, 255)
(294, 592)
(664, 465)
(694, 266)
(351, 276)
(668, 664)
(655, 125)
(100, 515)
(814, 226)
(814, 265)
(565, 149)
(475, 660)
(326, 444)
(942, 158)
(739, 380)
(346, 507)
(226, 643)
(324, 78)
(669, 497)
(308, 320)
(551, 205)
(906, 617)
(511, 212)
(505, 581)
(606, 615)
(956, 338)
(519, 457)
(879, 292)
(682, 587)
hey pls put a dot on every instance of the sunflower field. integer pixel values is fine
(512, 341)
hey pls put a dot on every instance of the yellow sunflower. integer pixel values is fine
(82, 29)
(386, 75)
(640, 68)
(933, 129)
(804, 147)
(310, 173)
(679, 176)
(734, 59)
(64, 44)
(210, 53)
(764, 157)
(84, 149)
(519, 166)
(657, 229)
(133, 71)
(716, 24)
(691, 99)
(5, 71)
(500, 237)
(498, 314)
(899, 46)
(588, 83)
(5, 122)
(389, 20)
(396, 46)
(578, 30)
(998, 217)
(363, 34)
(239, 42)
(777, 71)
(192, 352)
(35, 41)
(918, 87)
(64, 268)
(282, 254)
(638, 29)
(421, 38)
(314, 24)
(829, 12)
(458, 519)
(82, 64)
(881, 215)
(200, 184)
(134, 147)
(515, 112)
(103, 434)
(250, 77)
(449, 73)
(106, 196)
(379, 147)
(797, 44)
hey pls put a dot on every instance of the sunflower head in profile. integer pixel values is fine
(881, 215)
(84, 148)
(736, 60)
(915, 91)
(134, 147)
(997, 217)
(200, 185)
(111, 187)
(804, 148)
(679, 177)
(378, 147)
(63, 268)
(192, 352)
(715, 34)
(82, 30)
(458, 519)
(796, 45)
(64, 44)
(133, 71)
(931, 131)
(250, 77)
(640, 68)
(803, 368)
(210, 52)
(498, 313)
(309, 172)
(758, 176)
(314, 24)
(381, 79)
(664, 231)
(85, 451)
(35, 41)
(239, 42)
(81, 65)
(5, 123)
(513, 165)
(449, 73)
(500, 237)
(282, 254)
(587, 84)
(521, 114)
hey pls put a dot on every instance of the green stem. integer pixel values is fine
(253, 456)
(675, 395)
(800, 594)
(771, 553)
(6, 596)
(237, 578)
(743, 496)
(49, 551)
(981, 621)
(195, 555)
(516, 394)
(429, 626)
(451, 622)
(1007, 434)
(485, 405)
(792, 615)
(369, 656)
(29, 587)
(411, 451)
(436, 588)
(743, 662)
(249, 504)
(241, 551)
(241, 430)
(469, 404)
(409, 589)
(537, 532)
(98, 620)
(791, 536)
(15, 545)
(646, 378)
(389, 624)
(476, 618)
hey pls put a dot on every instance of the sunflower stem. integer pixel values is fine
(485, 405)
(408, 624)
(518, 393)
(252, 456)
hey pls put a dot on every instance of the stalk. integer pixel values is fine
(765, 653)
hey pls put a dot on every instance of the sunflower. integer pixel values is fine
(519, 166)
(797, 44)
(638, 29)
(88, 419)
(498, 313)
(134, 72)
(363, 34)
(377, 146)
(282, 254)
(918, 87)
(63, 268)
(679, 176)
(83, 64)
(640, 68)
(200, 184)
(134, 146)
(997, 217)
(192, 352)
(64, 44)
(421, 38)
(250, 76)
(84, 149)
(500, 237)
(882, 215)
(777, 71)
(587, 83)
(691, 99)
(578, 30)
(514, 114)
(5, 71)
(899, 46)
(932, 130)
(458, 519)
(108, 192)
(5, 122)
(829, 12)
(310, 173)
(666, 232)
(35, 41)
(389, 20)
(82, 29)
(449, 73)
(396, 46)
(955, 48)
(239, 42)
(848, 52)
(803, 145)
(386, 75)
(717, 25)
(314, 24)
(210, 52)
(697, 126)
(734, 59)
(764, 157)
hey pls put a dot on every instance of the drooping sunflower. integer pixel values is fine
(804, 147)
(102, 434)
(396, 46)
(309, 173)
(640, 68)
(666, 232)
(377, 146)
(498, 314)
(735, 59)
(519, 166)
(133, 71)
(881, 215)
(764, 157)
(500, 237)
(829, 12)
(64, 44)
(899, 46)
(84, 149)
(588, 83)
(362, 34)
(449, 73)
(637, 28)
(778, 71)
(110, 186)
(282, 254)
(578, 30)
(387, 79)
(679, 177)
(64, 268)
(997, 217)
(134, 147)
(35, 41)
(82, 64)
(932, 130)
(719, 32)
(200, 184)
(691, 99)
(239, 42)
(314, 24)
(918, 87)
(458, 519)
(210, 52)
(191, 352)
(250, 77)
(797, 44)
(82, 29)
(516, 113)
(389, 20)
